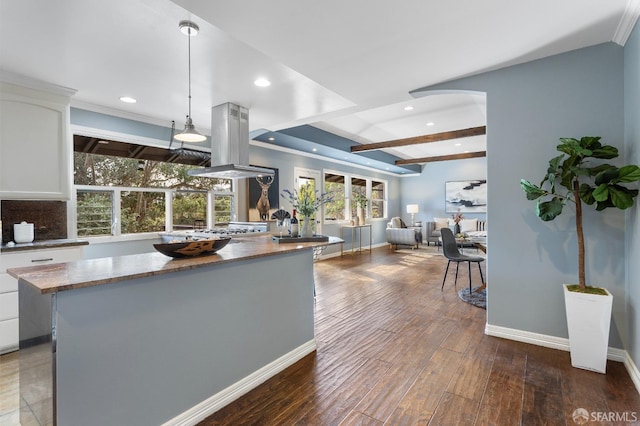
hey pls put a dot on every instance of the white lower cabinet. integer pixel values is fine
(9, 312)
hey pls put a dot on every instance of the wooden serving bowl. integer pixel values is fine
(189, 248)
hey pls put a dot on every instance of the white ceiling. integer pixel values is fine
(343, 66)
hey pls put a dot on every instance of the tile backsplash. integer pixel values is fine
(49, 218)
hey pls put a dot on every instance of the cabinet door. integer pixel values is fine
(35, 148)
(8, 305)
(9, 335)
(39, 257)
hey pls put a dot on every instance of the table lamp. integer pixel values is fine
(413, 209)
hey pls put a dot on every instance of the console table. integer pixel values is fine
(355, 229)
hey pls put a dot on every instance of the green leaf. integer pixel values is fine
(599, 168)
(620, 199)
(601, 205)
(548, 210)
(554, 164)
(629, 173)
(590, 142)
(606, 151)
(533, 192)
(601, 193)
(606, 175)
(586, 194)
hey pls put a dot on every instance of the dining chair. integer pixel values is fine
(451, 252)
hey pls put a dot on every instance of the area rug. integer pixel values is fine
(477, 298)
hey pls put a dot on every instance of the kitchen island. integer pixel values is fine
(147, 340)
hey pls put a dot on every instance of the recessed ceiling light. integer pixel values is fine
(272, 139)
(314, 149)
(103, 142)
(458, 144)
(431, 123)
(128, 100)
(408, 108)
(262, 82)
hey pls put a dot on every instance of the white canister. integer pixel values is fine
(23, 232)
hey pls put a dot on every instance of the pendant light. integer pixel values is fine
(189, 134)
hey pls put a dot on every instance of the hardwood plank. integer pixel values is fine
(335, 405)
(502, 399)
(358, 419)
(454, 410)
(420, 401)
(542, 400)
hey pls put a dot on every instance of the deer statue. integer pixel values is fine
(263, 205)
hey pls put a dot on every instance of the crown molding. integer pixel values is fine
(32, 83)
(119, 113)
(627, 22)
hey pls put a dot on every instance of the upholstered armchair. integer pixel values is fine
(399, 234)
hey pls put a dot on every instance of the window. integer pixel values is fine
(117, 195)
(346, 188)
(378, 199)
(189, 209)
(95, 213)
(335, 210)
(358, 187)
(223, 209)
(142, 211)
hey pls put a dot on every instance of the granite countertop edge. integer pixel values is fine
(42, 245)
(57, 277)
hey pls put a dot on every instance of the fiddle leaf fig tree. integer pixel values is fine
(574, 177)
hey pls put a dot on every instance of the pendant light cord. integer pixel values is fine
(189, 61)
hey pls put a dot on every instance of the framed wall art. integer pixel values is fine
(468, 196)
(264, 197)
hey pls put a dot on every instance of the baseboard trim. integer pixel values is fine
(613, 354)
(632, 368)
(212, 404)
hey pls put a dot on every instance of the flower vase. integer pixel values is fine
(456, 229)
(361, 215)
(307, 229)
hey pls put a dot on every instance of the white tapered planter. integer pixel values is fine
(588, 320)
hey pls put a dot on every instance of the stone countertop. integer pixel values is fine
(41, 245)
(92, 272)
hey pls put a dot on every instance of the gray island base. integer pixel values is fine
(113, 344)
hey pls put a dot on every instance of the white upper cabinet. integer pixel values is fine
(36, 149)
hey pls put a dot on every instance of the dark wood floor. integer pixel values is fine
(393, 349)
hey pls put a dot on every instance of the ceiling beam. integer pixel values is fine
(442, 158)
(417, 140)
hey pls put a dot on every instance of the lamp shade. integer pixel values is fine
(413, 208)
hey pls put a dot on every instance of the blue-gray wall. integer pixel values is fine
(427, 190)
(285, 163)
(632, 149)
(530, 106)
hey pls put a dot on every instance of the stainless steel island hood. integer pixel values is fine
(230, 145)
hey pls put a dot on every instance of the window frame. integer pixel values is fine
(349, 199)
